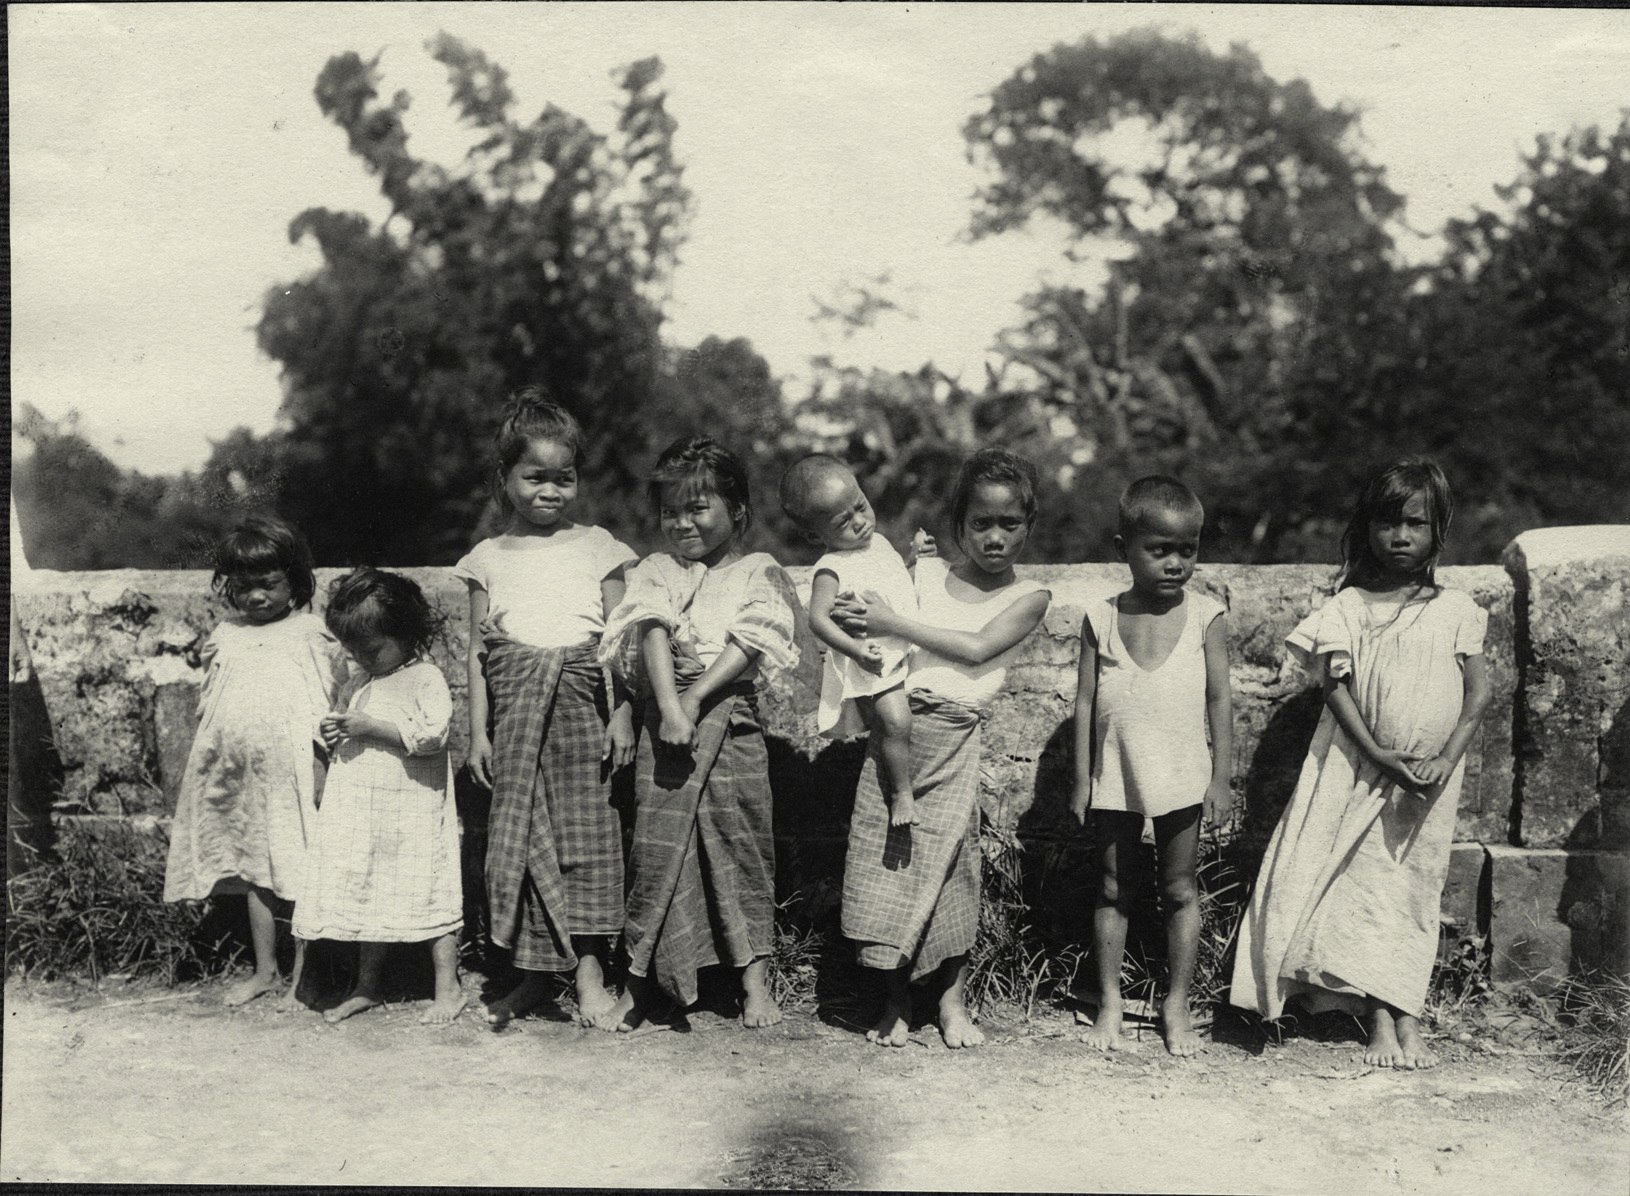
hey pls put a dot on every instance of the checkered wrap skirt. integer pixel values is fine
(703, 864)
(911, 894)
(554, 853)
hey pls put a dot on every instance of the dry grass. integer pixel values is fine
(1595, 1018)
(1010, 965)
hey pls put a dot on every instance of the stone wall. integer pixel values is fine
(1544, 821)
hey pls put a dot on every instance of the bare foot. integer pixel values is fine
(758, 1007)
(1177, 1028)
(350, 1007)
(1105, 1032)
(903, 809)
(444, 1009)
(1413, 1051)
(531, 992)
(1383, 1049)
(956, 1027)
(289, 1003)
(893, 1028)
(257, 985)
(592, 998)
(621, 1015)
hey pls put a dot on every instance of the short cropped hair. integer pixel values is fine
(997, 467)
(1156, 494)
(800, 482)
(388, 604)
(703, 461)
(258, 545)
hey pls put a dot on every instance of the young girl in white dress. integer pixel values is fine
(1345, 911)
(539, 594)
(248, 799)
(384, 863)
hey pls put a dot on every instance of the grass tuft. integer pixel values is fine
(1596, 1032)
(1010, 964)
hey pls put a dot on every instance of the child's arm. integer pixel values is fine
(726, 668)
(1219, 798)
(678, 729)
(1396, 765)
(618, 746)
(1086, 690)
(821, 594)
(480, 742)
(964, 647)
(354, 724)
(1439, 768)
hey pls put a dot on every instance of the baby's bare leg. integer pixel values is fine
(890, 721)
(1177, 839)
(370, 961)
(1115, 836)
(450, 999)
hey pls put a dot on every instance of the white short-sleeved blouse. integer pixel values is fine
(545, 590)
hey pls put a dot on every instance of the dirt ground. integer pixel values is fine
(137, 1083)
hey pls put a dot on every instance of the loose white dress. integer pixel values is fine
(248, 799)
(1346, 903)
(876, 567)
(384, 862)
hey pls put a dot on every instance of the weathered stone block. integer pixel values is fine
(1463, 888)
(175, 719)
(1553, 912)
(1574, 596)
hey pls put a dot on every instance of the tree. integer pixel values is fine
(1242, 334)
(543, 259)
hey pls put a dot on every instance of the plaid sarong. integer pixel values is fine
(554, 856)
(703, 862)
(911, 894)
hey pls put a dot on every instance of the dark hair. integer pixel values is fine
(258, 545)
(532, 415)
(994, 466)
(1384, 498)
(387, 604)
(704, 462)
(1154, 494)
(800, 480)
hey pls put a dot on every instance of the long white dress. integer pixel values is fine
(248, 799)
(1346, 903)
(384, 862)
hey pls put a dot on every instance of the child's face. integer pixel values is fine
(1403, 544)
(376, 654)
(995, 527)
(542, 484)
(1161, 551)
(838, 513)
(262, 597)
(696, 522)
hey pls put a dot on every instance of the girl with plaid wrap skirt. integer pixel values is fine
(538, 598)
(911, 893)
(693, 630)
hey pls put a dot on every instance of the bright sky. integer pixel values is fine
(158, 153)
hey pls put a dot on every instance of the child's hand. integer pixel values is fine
(849, 613)
(922, 545)
(879, 614)
(481, 759)
(618, 748)
(1398, 767)
(1218, 803)
(678, 728)
(329, 729)
(871, 658)
(1434, 770)
(353, 724)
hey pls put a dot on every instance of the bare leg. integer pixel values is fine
(592, 998)
(1383, 1049)
(893, 1026)
(1177, 837)
(290, 1002)
(956, 1027)
(758, 1006)
(891, 723)
(450, 999)
(1115, 844)
(263, 934)
(531, 992)
(370, 960)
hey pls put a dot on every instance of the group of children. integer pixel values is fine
(344, 807)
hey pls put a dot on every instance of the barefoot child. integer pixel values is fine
(384, 863)
(823, 498)
(911, 894)
(1153, 679)
(1345, 911)
(694, 628)
(539, 594)
(248, 799)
